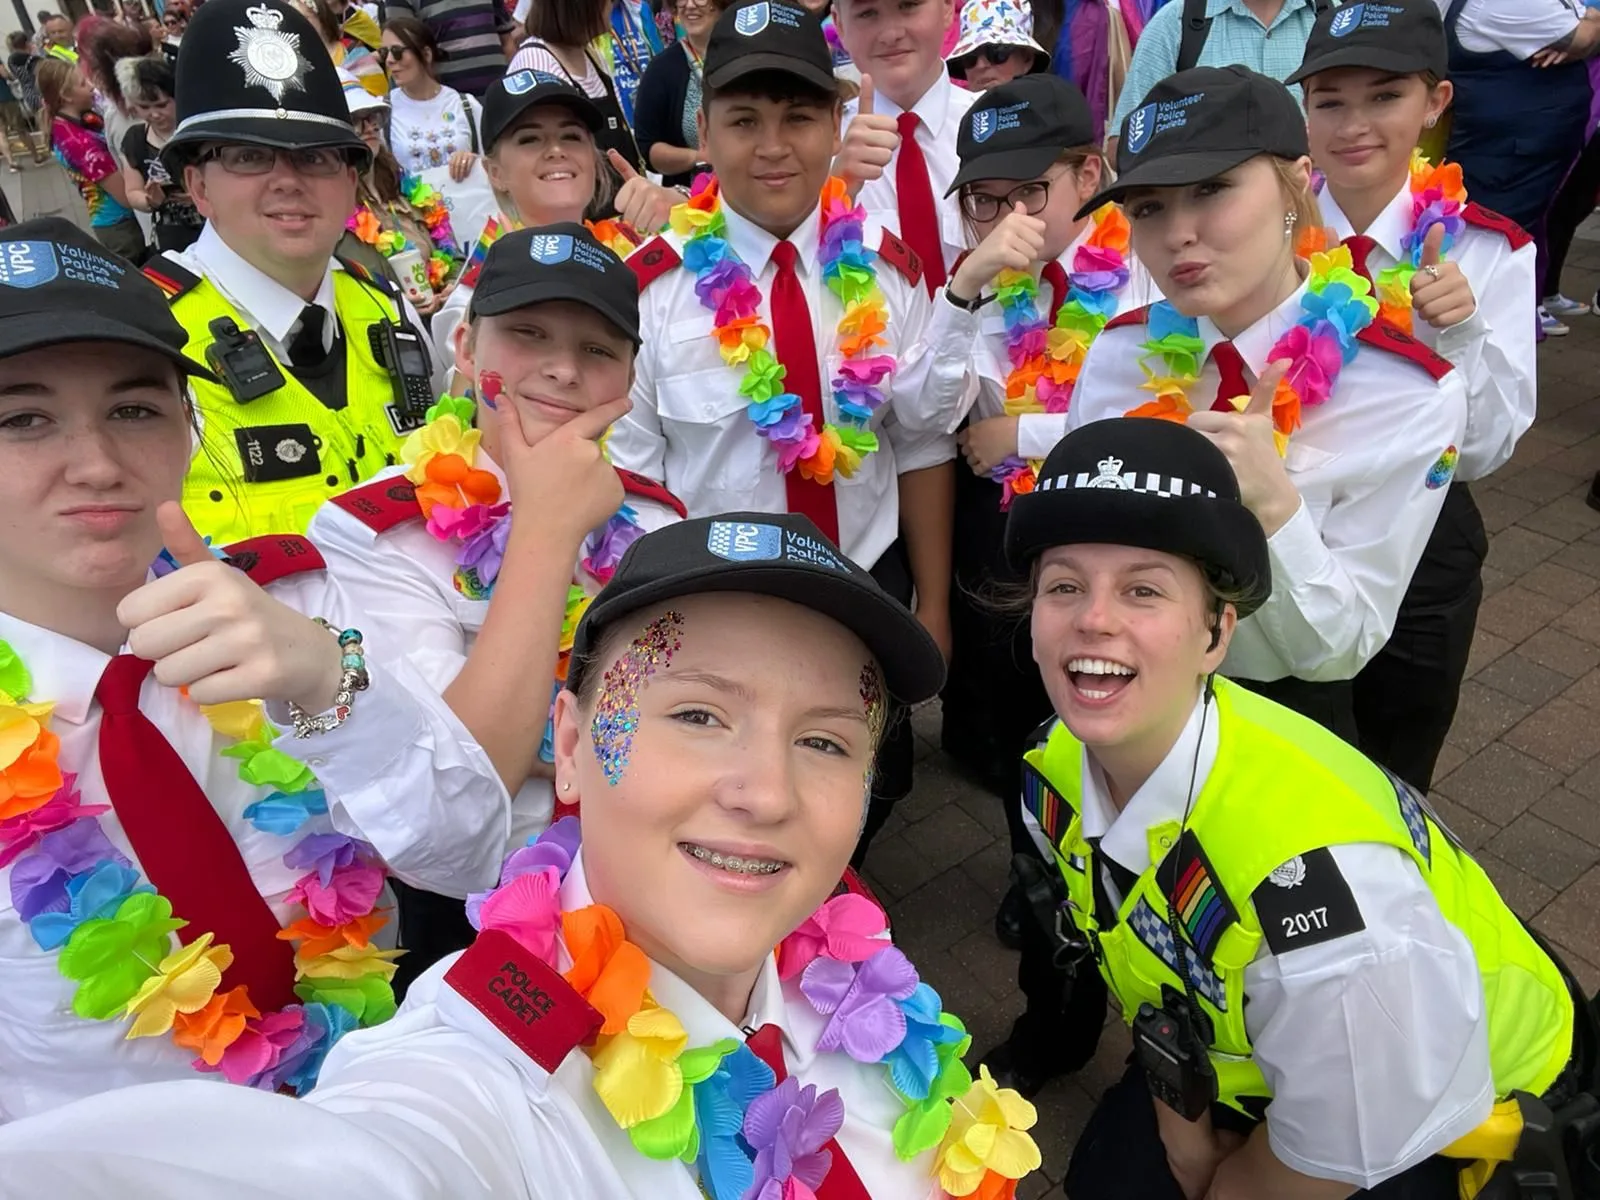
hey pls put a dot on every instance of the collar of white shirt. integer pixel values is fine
(933, 106)
(754, 245)
(1390, 225)
(1162, 798)
(273, 308)
(64, 672)
(1256, 342)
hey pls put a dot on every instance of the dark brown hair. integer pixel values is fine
(416, 37)
(567, 22)
(777, 86)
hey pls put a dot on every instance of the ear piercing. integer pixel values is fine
(1290, 219)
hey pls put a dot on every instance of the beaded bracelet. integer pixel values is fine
(352, 679)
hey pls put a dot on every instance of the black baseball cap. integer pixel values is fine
(1200, 123)
(511, 96)
(58, 284)
(255, 71)
(557, 262)
(1015, 131)
(768, 35)
(1155, 484)
(1403, 36)
(770, 554)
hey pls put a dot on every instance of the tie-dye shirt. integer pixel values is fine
(83, 152)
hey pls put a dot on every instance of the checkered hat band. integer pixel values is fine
(1131, 481)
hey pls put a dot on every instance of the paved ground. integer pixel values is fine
(1519, 780)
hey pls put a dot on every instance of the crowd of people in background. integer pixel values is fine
(613, 416)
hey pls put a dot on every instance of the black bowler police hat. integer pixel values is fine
(557, 262)
(768, 35)
(1158, 485)
(58, 284)
(1402, 36)
(1199, 124)
(255, 71)
(510, 97)
(1015, 131)
(770, 554)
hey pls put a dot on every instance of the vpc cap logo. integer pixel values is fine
(1346, 20)
(524, 82)
(550, 248)
(1141, 127)
(753, 18)
(744, 542)
(983, 125)
(28, 264)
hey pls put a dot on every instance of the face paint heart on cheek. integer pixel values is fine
(616, 716)
(490, 387)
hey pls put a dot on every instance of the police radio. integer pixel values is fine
(1171, 1043)
(238, 358)
(399, 350)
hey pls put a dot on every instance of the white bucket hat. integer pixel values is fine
(996, 23)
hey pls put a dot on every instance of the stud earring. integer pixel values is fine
(567, 786)
(1431, 122)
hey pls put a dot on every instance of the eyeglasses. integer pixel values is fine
(320, 162)
(1033, 196)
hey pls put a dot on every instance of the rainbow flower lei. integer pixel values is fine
(616, 236)
(717, 1107)
(1045, 359)
(726, 286)
(81, 897)
(430, 206)
(1336, 306)
(461, 503)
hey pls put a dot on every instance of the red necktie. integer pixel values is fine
(796, 347)
(182, 845)
(1360, 247)
(1230, 364)
(841, 1182)
(919, 216)
(1056, 277)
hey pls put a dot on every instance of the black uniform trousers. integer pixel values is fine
(993, 696)
(1406, 697)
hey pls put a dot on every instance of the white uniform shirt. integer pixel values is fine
(1037, 433)
(1523, 28)
(689, 427)
(438, 1104)
(1493, 349)
(268, 307)
(941, 108)
(1363, 462)
(402, 774)
(1375, 1044)
(398, 586)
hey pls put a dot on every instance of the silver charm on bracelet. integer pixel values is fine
(352, 679)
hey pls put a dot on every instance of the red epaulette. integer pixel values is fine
(638, 485)
(524, 997)
(1385, 335)
(1487, 218)
(653, 260)
(901, 257)
(382, 504)
(274, 556)
(1134, 316)
(851, 883)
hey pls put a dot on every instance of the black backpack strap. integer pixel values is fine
(1196, 26)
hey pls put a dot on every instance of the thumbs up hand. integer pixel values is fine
(640, 203)
(209, 628)
(869, 142)
(1247, 439)
(1440, 293)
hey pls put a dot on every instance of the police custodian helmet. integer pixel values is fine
(256, 71)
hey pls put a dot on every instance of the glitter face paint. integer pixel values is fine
(616, 715)
(877, 715)
(490, 385)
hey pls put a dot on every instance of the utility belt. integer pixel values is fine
(1531, 1147)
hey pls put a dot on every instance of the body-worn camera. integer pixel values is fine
(399, 351)
(238, 358)
(1171, 1046)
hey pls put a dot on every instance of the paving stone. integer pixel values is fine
(1560, 733)
(1516, 549)
(1482, 715)
(1577, 461)
(1586, 779)
(1573, 918)
(1524, 679)
(940, 913)
(893, 869)
(1581, 556)
(990, 963)
(1538, 484)
(1493, 580)
(1566, 519)
(945, 838)
(1526, 896)
(1582, 620)
(1518, 614)
(1471, 830)
(990, 868)
(1561, 583)
(1549, 854)
(1532, 447)
(1450, 757)
(1586, 691)
(1486, 647)
(1560, 652)
(1576, 814)
(1587, 974)
(1498, 783)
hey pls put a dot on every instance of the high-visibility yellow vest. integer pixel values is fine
(1283, 787)
(269, 436)
(64, 53)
